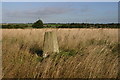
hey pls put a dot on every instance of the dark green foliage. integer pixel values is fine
(87, 25)
(15, 26)
(38, 24)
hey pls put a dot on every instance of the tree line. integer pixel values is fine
(39, 24)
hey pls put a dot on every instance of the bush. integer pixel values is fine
(15, 26)
(38, 24)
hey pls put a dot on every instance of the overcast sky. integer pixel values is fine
(60, 12)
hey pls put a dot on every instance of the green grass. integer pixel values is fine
(39, 59)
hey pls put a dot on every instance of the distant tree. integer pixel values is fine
(38, 24)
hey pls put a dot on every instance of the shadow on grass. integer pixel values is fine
(35, 49)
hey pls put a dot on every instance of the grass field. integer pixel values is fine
(85, 53)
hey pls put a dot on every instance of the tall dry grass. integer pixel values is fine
(96, 54)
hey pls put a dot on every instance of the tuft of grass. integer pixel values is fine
(114, 47)
(68, 53)
(40, 59)
(97, 42)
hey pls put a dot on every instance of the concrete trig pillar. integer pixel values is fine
(50, 43)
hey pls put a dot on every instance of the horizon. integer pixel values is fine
(60, 12)
(61, 23)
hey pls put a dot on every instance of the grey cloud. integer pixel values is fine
(46, 11)
(50, 11)
(85, 9)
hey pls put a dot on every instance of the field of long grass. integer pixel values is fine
(84, 53)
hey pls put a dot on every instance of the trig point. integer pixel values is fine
(50, 43)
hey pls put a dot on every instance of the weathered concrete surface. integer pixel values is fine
(50, 43)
